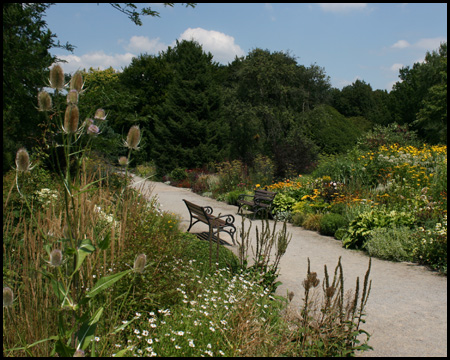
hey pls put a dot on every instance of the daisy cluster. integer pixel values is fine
(203, 324)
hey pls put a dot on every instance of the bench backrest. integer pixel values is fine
(264, 195)
(197, 211)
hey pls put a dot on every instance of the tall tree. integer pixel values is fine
(26, 59)
(419, 98)
(188, 129)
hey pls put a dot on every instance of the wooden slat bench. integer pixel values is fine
(204, 215)
(262, 202)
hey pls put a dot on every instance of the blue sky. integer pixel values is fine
(365, 41)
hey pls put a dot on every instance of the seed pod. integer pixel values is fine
(100, 114)
(123, 161)
(76, 82)
(8, 297)
(56, 258)
(133, 138)
(72, 97)
(139, 263)
(44, 101)
(71, 119)
(57, 77)
(22, 160)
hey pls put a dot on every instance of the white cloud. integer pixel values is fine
(430, 43)
(96, 60)
(401, 44)
(396, 67)
(142, 44)
(421, 44)
(220, 45)
(334, 7)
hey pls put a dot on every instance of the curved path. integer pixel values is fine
(407, 307)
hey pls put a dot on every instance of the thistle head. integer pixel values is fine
(44, 101)
(71, 118)
(139, 263)
(56, 258)
(76, 82)
(100, 114)
(93, 130)
(57, 77)
(23, 160)
(133, 138)
(123, 161)
(8, 297)
(72, 97)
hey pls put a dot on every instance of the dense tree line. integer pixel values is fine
(193, 111)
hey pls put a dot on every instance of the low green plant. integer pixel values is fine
(146, 169)
(363, 224)
(282, 203)
(394, 244)
(330, 223)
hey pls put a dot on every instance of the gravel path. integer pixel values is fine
(407, 306)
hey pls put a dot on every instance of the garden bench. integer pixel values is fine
(262, 202)
(204, 215)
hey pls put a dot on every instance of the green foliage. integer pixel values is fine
(394, 243)
(330, 223)
(388, 135)
(282, 203)
(26, 52)
(363, 225)
(330, 130)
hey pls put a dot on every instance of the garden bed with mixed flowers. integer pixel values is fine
(390, 201)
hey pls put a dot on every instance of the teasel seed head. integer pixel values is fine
(139, 263)
(8, 297)
(57, 77)
(123, 161)
(100, 114)
(72, 97)
(56, 258)
(44, 101)
(71, 119)
(76, 82)
(133, 138)
(22, 160)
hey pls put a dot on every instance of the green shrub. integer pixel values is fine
(330, 222)
(231, 197)
(178, 174)
(390, 243)
(363, 224)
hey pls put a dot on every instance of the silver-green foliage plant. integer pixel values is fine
(78, 314)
